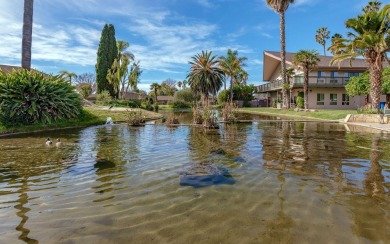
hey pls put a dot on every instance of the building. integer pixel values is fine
(326, 82)
(9, 68)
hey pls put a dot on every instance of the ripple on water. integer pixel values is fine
(293, 182)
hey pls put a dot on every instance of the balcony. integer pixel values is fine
(297, 82)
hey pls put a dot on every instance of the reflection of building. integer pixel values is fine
(326, 82)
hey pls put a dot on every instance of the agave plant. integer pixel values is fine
(29, 97)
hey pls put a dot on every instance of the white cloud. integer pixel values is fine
(205, 3)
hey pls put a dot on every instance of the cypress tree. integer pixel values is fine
(106, 55)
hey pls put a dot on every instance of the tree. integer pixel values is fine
(155, 87)
(87, 78)
(117, 75)
(27, 33)
(290, 73)
(179, 84)
(185, 84)
(232, 67)
(134, 76)
(335, 37)
(372, 6)
(359, 85)
(67, 75)
(321, 36)
(371, 39)
(122, 47)
(205, 76)
(281, 6)
(106, 55)
(306, 60)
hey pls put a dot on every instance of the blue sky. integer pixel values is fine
(165, 34)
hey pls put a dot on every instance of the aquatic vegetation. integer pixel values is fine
(135, 117)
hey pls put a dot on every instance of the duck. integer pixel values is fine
(58, 143)
(48, 142)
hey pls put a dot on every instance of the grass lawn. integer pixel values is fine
(326, 114)
(89, 116)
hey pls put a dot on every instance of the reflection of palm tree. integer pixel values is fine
(279, 228)
(374, 180)
(23, 200)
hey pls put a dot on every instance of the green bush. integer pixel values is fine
(30, 97)
(147, 105)
(300, 102)
(181, 104)
(223, 97)
(103, 98)
(85, 90)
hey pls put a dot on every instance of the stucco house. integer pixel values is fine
(326, 82)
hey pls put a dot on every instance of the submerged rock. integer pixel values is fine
(103, 163)
(201, 175)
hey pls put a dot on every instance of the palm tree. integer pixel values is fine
(122, 47)
(290, 73)
(179, 84)
(281, 6)
(27, 33)
(372, 6)
(134, 76)
(370, 39)
(205, 76)
(321, 36)
(155, 87)
(232, 66)
(306, 60)
(67, 75)
(185, 84)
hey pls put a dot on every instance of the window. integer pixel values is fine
(320, 74)
(333, 99)
(334, 74)
(352, 74)
(345, 99)
(320, 98)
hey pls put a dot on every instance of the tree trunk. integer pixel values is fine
(224, 84)
(27, 33)
(306, 87)
(231, 89)
(283, 58)
(376, 86)
(324, 50)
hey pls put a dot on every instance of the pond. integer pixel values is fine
(262, 182)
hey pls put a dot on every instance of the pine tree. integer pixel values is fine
(106, 55)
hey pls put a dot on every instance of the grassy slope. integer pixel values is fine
(89, 116)
(326, 114)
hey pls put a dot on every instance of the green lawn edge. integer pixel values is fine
(323, 114)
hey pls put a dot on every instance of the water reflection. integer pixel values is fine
(294, 182)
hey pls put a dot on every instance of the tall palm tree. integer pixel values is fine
(134, 76)
(321, 36)
(290, 73)
(122, 50)
(281, 6)
(306, 60)
(67, 75)
(205, 76)
(155, 87)
(179, 84)
(372, 6)
(232, 66)
(27, 33)
(370, 39)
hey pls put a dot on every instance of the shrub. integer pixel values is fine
(209, 118)
(300, 102)
(366, 111)
(85, 90)
(229, 113)
(103, 98)
(30, 97)
(147, 105)
(172, 119)
(155, 107)
(180, 104)
(135, 118)
(197, 116)
(223, 97)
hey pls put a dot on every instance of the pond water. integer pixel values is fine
(260, 182)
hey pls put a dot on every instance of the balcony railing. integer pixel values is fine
(297, 82)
